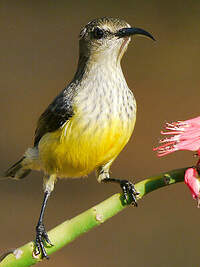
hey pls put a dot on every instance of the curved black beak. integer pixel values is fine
(125, 32)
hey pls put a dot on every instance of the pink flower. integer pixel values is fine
(184, 135)
(192, 180)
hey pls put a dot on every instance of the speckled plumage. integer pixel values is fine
(103, 120)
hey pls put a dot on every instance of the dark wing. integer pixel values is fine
(57, 113)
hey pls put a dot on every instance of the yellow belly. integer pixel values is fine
(78, 148)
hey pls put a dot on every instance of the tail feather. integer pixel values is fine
(17, 170)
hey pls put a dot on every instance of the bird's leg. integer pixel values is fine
(127, 187)
(41, 234)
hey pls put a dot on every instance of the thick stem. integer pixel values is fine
(67, 231)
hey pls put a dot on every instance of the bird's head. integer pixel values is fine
(105, 38)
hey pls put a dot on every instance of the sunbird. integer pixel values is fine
(90, 121)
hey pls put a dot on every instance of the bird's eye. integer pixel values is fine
(97, 33)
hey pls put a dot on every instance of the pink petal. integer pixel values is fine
(192, 181)
(194, 121)
(182, 135)
(189, 144)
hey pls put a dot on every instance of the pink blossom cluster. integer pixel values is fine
(184, 135)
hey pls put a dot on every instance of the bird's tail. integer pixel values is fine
(17, 171)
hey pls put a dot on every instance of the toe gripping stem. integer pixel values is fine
(128, 189)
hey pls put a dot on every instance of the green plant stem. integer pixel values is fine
(67, 231)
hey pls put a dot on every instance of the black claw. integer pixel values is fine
(41, 239)
(37, 248)
(47, 239)
(129, 191)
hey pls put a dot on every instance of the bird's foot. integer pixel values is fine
(40, 241)
(129, 192)
(128, 189)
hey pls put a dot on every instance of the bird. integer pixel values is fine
(89, 122)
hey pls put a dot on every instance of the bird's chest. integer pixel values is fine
(104, 118)
(105, 101)
(103, 121)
